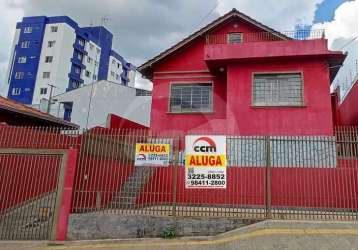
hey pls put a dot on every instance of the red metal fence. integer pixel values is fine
(293, 177)
(276, 177)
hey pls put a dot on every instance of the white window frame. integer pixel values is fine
(231, 40)
(46, 75)
(189, 87)
(22, 59)
(28, 30)
(43, 91)
(48, 59)
(278, 89)
(19, 75)
(87, 73)
(78, 70)
(80, 56)
(54, 29)
(81, 42)
(16, 91)
(51, 44)
(25, 44)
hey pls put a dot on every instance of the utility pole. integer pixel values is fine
(50, 99)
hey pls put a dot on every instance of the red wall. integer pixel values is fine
(291, 187)
(233, 112)
(314, 118)
(120, 122)
(98, 176)
(24, 177)
(348, 111)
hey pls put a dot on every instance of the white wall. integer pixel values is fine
(5, 85)
(141, 83)
(107, 98)
(132, 77)
(62, 53)
(114, 70)
(91, 66)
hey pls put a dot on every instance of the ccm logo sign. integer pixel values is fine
(198, 145)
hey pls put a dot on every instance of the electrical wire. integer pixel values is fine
(209, 13)
(348, 43)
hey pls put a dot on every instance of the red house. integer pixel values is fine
(345, 107)
(239, 76)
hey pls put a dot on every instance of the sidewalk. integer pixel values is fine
(264, 235)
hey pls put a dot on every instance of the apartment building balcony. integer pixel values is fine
(80, 48)
(78, 62)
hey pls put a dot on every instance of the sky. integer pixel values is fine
(144, 28)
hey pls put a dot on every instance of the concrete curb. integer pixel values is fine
(265, 228)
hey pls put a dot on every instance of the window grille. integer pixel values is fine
(191, 98)
(278, 90)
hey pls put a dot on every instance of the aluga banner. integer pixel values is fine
(205, 161)
(148, 154)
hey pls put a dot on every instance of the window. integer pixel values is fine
(234, 37)
(19, 75)
(28, 30)
(25, 44)
(48, 59)
(80, 56)
(89, 59)
(91, 46)
(113, 61)
(278, 90)
(16, 91)
(117, 77)
(87, 73)
(75, 84)
(78, 70)
(191, 98)
(43, 91)
(98, 50)
(27, 89)
(51, 44)
(118, 65)
(81, 42)
(22, 59)
(54, 29)
(142, 92)
(96, 63)
(46, 75)
(113, 74)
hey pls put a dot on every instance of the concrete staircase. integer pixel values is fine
(132, 188)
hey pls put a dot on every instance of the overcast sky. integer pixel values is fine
(143, 28)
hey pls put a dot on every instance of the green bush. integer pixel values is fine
(169, 232)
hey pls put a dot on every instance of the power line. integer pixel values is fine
(348, 43)
(209, 13)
